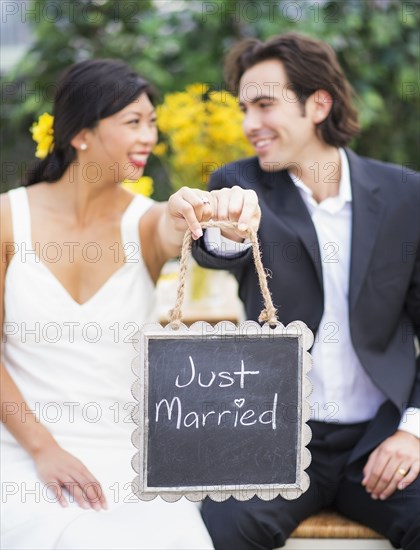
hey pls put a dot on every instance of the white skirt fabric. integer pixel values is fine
(32, 519)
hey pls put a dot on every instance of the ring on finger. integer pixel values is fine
(402, 472)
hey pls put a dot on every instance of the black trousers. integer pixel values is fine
(256, 524)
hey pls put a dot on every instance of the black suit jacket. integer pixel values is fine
(384, 288)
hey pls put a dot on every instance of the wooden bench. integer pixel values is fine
(328, 530)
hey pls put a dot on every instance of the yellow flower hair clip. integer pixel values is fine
(43, 134)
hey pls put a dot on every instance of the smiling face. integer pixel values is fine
(281, 130)
(122, 143)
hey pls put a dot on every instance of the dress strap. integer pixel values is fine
(130, 227)
(21, 216)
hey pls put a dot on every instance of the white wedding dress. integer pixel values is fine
(72, 363)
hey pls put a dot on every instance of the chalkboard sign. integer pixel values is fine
(222, 411)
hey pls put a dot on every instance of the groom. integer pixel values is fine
(340, 235)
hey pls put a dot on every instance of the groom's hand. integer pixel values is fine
(394, 464)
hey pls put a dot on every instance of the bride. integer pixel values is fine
(80, 258)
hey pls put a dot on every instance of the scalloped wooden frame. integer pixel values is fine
(270, 491)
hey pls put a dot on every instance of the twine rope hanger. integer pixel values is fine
(268, 314)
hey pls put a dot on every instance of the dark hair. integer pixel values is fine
(87, 92)
(310, 65)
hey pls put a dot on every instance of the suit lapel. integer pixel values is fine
(368, 209)
(284, 199)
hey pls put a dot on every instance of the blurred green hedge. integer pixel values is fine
(173, 43)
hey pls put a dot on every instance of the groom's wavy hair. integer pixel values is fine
(310, 65)
(87, 92)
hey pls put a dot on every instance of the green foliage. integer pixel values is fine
(174, 43)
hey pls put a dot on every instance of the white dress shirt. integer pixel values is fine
(342, 392)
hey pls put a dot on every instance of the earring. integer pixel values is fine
(83, 147)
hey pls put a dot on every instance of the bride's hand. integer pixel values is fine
(60, 470)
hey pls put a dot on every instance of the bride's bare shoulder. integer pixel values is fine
(36, 190)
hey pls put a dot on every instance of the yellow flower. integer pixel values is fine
(197, 89)
(43, 134)
(202, 130)
(142, 186)
(160, 149)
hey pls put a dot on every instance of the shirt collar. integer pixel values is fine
(344, 190)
